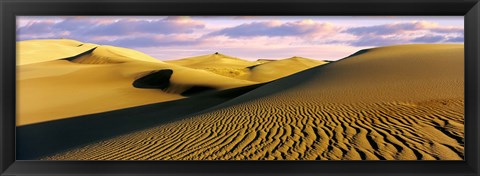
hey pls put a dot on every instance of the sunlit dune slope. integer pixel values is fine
(399, 102)
(272, 70)
(258, 71)
(220, 64)
(103, 80)
(112, 55)
(216, 59)
(28, 51)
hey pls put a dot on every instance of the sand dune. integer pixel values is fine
(44, 139)
(80, 78)
(400, 102)
(98, 80)
(113, 55)
(258, 71)
(215, 60)
(220, 64)
(272, 70)
(28, 51)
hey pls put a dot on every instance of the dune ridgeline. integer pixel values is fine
(402, 102)
(81, 78)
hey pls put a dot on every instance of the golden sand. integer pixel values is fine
(79, 78)
(257, 71)
(218, 63)
(273, 70)
(96, 82)
(395, 103)
(36, 51)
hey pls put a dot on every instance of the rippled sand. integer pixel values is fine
(395, 103)
(80, 78)
(60, 79)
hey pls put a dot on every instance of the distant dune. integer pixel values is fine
(28, 52)
(401, 102)
(277, 69)
(80, 78)
(218, 63)
(113, 55)
(258, 71)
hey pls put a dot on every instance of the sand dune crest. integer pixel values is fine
(97, 80)
(395, 103)
(28, 51)
(112, 55)
(258, 71)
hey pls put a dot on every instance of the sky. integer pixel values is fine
(246, 37)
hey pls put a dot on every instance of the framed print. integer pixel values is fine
(251, 87)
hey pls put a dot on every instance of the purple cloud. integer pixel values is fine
(140, 32)
(400, 33)
(455, 39)
(125, 27)
(429, 39)
(149, 41)
(448, 30)
(387, 29)
(73, 24)
(37, 27)
(396, 28)
(88, 27)
(380, 29)
(273, 29)
(68, 24)
(186, 32)
(373, 40)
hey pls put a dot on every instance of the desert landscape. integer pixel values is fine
(85, 101)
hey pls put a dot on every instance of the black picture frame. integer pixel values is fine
(9, 9)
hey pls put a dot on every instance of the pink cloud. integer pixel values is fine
(250, 35)
(404, 32)
(278, 29)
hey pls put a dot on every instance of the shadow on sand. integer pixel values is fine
(43, 139)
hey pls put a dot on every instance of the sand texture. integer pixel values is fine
(273, 70)
(401, 102)
(36, 51)
(257, 71)
(95, 79)
(80, 78)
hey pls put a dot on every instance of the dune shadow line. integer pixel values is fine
(43, 139)
(71, 59)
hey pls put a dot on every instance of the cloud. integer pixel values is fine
(383, 29)
(456, 39)
(395, 28)
(429, 39)
(102, 27)
(312, 32)
(373, 40)
(448, 30)
(37, 27)
(127, 32)
(70, 24)
(165, 26)
(234, 33)
(152, 41)
(277, 29)
(403, 33)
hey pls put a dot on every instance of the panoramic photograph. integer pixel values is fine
(240, 88)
